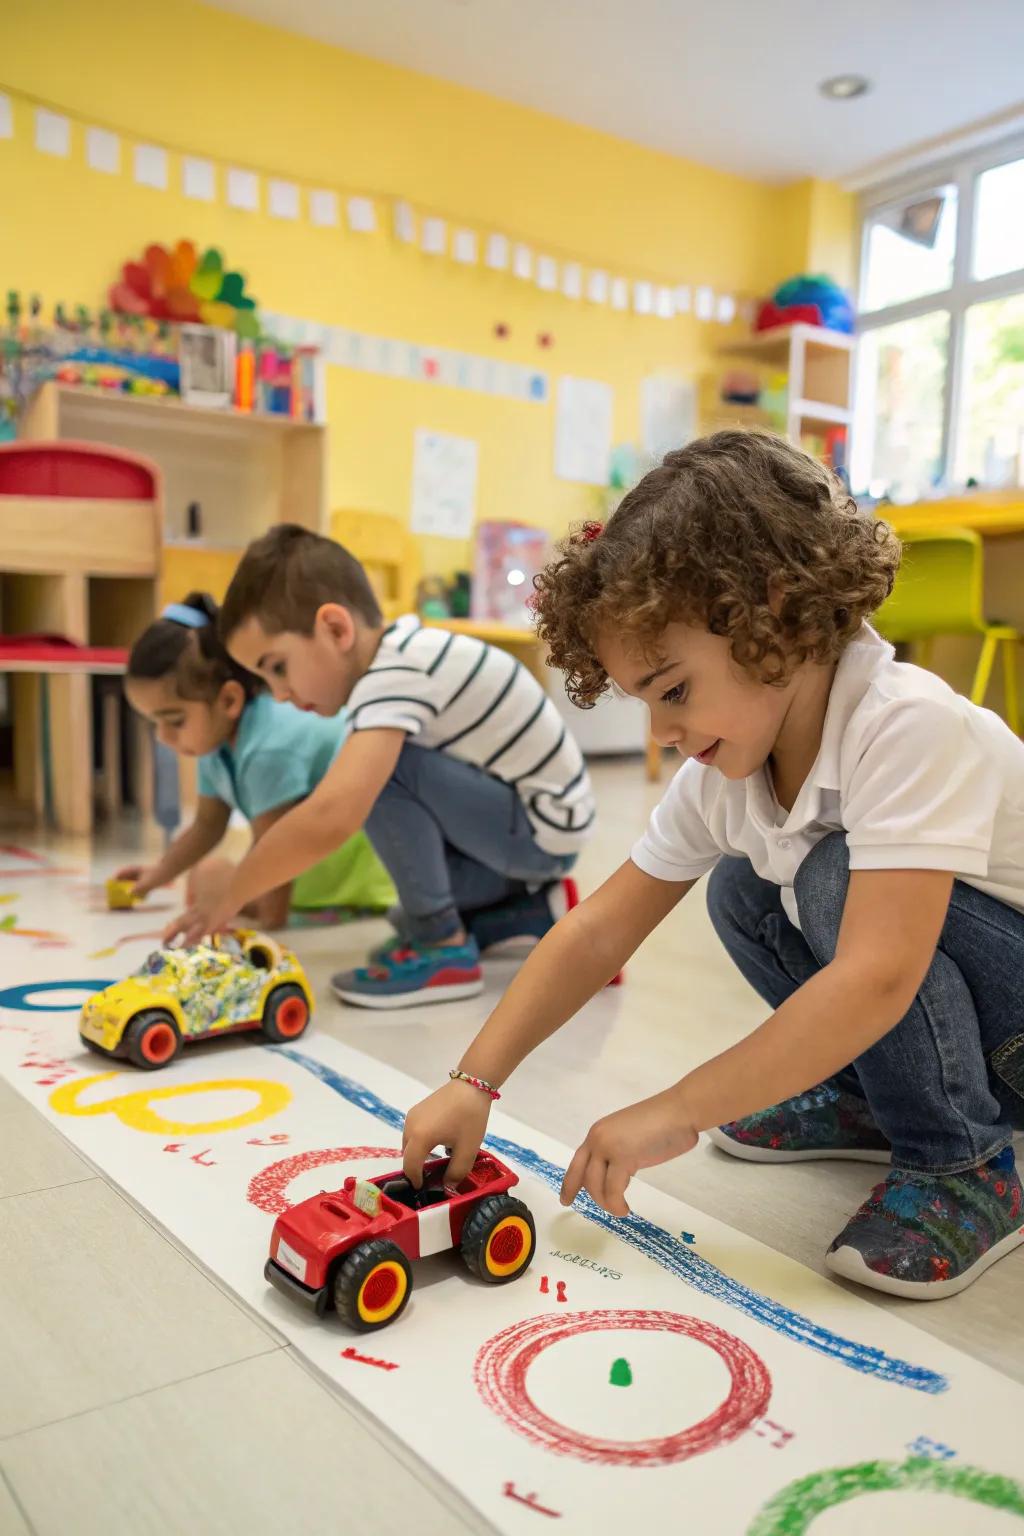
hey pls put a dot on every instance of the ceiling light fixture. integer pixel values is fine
(844, 87)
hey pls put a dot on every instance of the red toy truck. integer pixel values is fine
(352, 1249)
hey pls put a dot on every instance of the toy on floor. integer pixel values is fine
(352, 1249)
(239, 981)
(121, 895)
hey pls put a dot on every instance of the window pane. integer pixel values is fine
(999, 221)
(909, 249)
(992, 424)
(901, 380)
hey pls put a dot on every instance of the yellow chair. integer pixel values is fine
(939, 591)
(389, 554)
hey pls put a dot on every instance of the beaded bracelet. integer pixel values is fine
(474, 1082)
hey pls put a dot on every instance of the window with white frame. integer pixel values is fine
(940, 371)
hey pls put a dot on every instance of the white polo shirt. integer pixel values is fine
(914, 774)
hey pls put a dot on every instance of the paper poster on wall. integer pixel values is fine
(443, 484)
(583, 430)
(668, 412)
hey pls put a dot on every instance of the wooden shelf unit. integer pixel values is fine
(819, 366)
(86, 567)
(245, 470)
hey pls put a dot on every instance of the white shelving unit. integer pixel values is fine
(819, 366)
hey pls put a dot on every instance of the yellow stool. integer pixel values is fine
(388, 553)
(939, 592)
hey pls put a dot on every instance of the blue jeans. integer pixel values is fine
(946, 1084)
(454, 839)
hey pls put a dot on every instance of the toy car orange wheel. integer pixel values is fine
(152, 1039)
(498, 1239)
(372, 1285)
(286, 1013)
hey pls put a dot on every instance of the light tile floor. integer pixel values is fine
(137, 1398)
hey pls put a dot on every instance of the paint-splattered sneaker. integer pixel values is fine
(410, 974)
(827, 1121)
(928, 1235)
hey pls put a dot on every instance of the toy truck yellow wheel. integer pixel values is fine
(372, 1285)
(498, 1239)
(285, 1013)
(152, 1039)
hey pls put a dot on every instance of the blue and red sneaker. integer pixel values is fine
(409, 974)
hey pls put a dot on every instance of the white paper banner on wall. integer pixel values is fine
(583, 430)
(323, 208)
(198, 179)
(443, 484)
(6, 118)
(103, 151)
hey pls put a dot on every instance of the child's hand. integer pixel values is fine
(456, 1117)
(618, 1146)
(196, 922)
(144, 877)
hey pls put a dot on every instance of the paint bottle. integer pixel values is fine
(245, 377)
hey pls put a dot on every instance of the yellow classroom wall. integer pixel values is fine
(210, 83)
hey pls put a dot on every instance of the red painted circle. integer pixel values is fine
(267, 1189)
(506, 1245)
(158, 1043)
(502, 1365)
(380, 1289)
(292, 1017)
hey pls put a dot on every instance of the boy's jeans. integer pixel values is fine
(453, 839)
(947, 1083)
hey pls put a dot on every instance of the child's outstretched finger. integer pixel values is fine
(574, 1175)
(615, 1183)
(461, 1160)
(414, 1155)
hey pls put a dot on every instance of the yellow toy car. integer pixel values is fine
(238, 981)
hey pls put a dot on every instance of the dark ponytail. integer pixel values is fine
(190, 651)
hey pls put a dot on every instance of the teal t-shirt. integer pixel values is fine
(279, 755)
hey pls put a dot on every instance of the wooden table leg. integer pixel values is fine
(71, 753)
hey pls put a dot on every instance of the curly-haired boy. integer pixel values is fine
(863, 827)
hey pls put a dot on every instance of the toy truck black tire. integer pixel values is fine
(498, 1239)
(285, 1014)
(372, 1285)
(151, 1040)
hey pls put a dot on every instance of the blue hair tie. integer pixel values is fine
(180, 613)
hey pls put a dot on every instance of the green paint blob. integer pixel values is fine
(792, 1511)
(621, 1375)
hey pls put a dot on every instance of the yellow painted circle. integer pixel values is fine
(387, 1274)
(133, 1109)
(506, 1225)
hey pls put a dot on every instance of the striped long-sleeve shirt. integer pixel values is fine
(457, 694)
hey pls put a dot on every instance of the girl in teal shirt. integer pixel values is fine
(255, 755)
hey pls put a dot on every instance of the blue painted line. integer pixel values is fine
(658, 1244)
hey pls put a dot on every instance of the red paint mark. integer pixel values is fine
(544, 1285)
(267, 1189)
(13, 851)
(175, 1146)
(200, 1157)
(530, 1500)
(501, 330)
(766, 1428)
(269, 1141)
(545, 339)
(430, 367)
(560, 1293)
(382, 1365)
(502, 1366)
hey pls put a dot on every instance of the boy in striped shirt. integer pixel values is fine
(470, 786)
